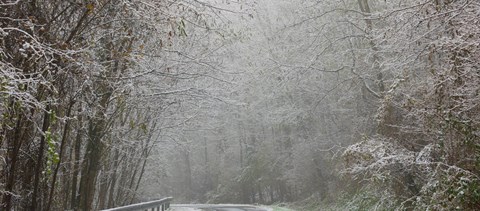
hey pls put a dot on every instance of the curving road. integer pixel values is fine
(219, 207)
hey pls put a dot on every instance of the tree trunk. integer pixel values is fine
(38, 167)
(92, 160)
(66, 130)
(76, 164)
(365, 8)
(111, 201)
(188, 174)
(103, 188)
(12, 154)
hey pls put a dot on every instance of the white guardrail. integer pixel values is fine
(157, 205)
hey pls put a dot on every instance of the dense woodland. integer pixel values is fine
(321, 105)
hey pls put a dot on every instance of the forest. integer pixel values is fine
(308, 104)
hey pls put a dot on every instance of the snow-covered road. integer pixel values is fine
(217, 207)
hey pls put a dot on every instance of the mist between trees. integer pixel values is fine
(323, 105)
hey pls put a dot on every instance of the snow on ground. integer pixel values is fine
(174, 208)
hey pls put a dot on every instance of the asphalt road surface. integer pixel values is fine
(207, 207)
